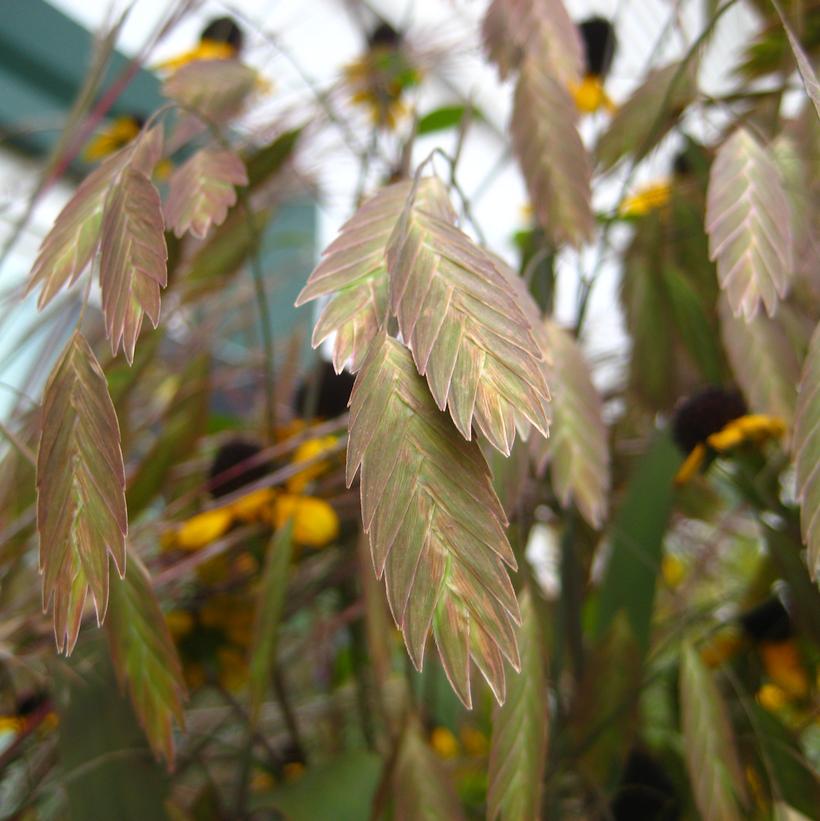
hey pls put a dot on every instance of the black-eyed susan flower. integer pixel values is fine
(714, 422)
(600, 44)
(221, 39)
(444, 742)
(308, 451)
(236, 464)
(380, 77)
(645, 199)
(113, 136)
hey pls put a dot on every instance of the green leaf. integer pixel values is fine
(763, 360)
(202, 190)
(448, 116)
(436, 527)
(692, 323)
(541, 29)
(519, 742)
(133, 259)
(638, 531)
(806, 447)
(421, 791)
(224, 252)
(709, 746)
(184, 423)
(145, 658)
(747, 219)
(651, 111)
(105, 767)
(804, 65)
(555, 163)
(341, 788)
(267, 161)
(465, 326)
(216, 89)
(269, 606)
(577, 449)
(792, 776)
(81, 514)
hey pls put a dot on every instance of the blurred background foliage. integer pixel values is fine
(249, 666)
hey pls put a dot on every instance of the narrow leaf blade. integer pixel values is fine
(519, 742)
(807, 453)
(648, 114)
(763, 360)
(145, 658)
(711, 757)
(269, 605)
(577, 449)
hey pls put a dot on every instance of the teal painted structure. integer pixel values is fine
(44, 57)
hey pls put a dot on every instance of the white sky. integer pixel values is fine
(325, 34)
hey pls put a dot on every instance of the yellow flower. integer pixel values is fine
(315, 523)
(756, 428)
(261, 781)
(180, 623)
(784, 667)
(590, 95)
(304, 453)
(254, 506)
(721, 648)
(194, 675)
(772, 698)
(233, 669)
(474, 741)
(444, 742)
(204, 50)
(112, 138)
(646, 199)
(377, 81)
(293, 770)
(12, 724)
(673, 570)
(691, 465)
(751, 428)
(203, 528)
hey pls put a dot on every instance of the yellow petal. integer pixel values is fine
(315, 523)
(180, 623)
(304, 453)
(254, 506)
(772, 697)
(204, 528)
(691, 465)
(727, 438)
(205, 50)
(444, 742)
(589, 95)
(650, 197)
(673, 570)
(720, 648)
(474, 741)
(785, 667)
